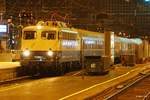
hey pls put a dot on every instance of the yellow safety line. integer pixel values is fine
(76, 73)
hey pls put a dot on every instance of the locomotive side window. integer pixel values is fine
(28, 35)
(69, 36)
(49, 35)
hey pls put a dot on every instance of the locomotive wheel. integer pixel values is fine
(32, 70)
(44, 71)
(61, 69)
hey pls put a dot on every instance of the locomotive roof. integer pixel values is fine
(39, 27)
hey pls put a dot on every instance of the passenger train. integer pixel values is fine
(52, 46)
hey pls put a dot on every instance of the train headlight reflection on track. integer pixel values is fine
(50, 53)
(26, 53)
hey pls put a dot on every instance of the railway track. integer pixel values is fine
(14, 80)
(31, 78)
(134, 89)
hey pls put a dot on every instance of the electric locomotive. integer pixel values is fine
(49, 46)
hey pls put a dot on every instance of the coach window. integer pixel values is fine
(28, 35)
(49, 35)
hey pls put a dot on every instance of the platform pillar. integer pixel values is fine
(107, 59)
(149, 49)
(139, 53)
(145, 49)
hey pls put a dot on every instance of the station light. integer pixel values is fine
(127, 0)
(147, 0)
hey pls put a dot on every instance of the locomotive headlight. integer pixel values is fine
(50, 53)
(26, 53)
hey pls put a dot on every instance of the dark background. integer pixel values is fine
(129, 16)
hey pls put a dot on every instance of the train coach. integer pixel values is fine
(126, 50)
(52, 46)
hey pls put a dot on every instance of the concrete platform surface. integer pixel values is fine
(67, 87)
(5, 57)
(9, 70)
(6, 65)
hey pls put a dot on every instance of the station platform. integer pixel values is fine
(6, 57)
(9, 70)
(8, 65)
(70, 87)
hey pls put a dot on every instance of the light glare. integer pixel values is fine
(39, 27)
(26, 53)
(50, 53)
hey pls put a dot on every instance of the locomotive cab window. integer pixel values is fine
(48, 35)
(28, 35)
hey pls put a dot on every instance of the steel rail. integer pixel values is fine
(14, 80)
(126, 87)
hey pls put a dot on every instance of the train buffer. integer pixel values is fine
(96, 65)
